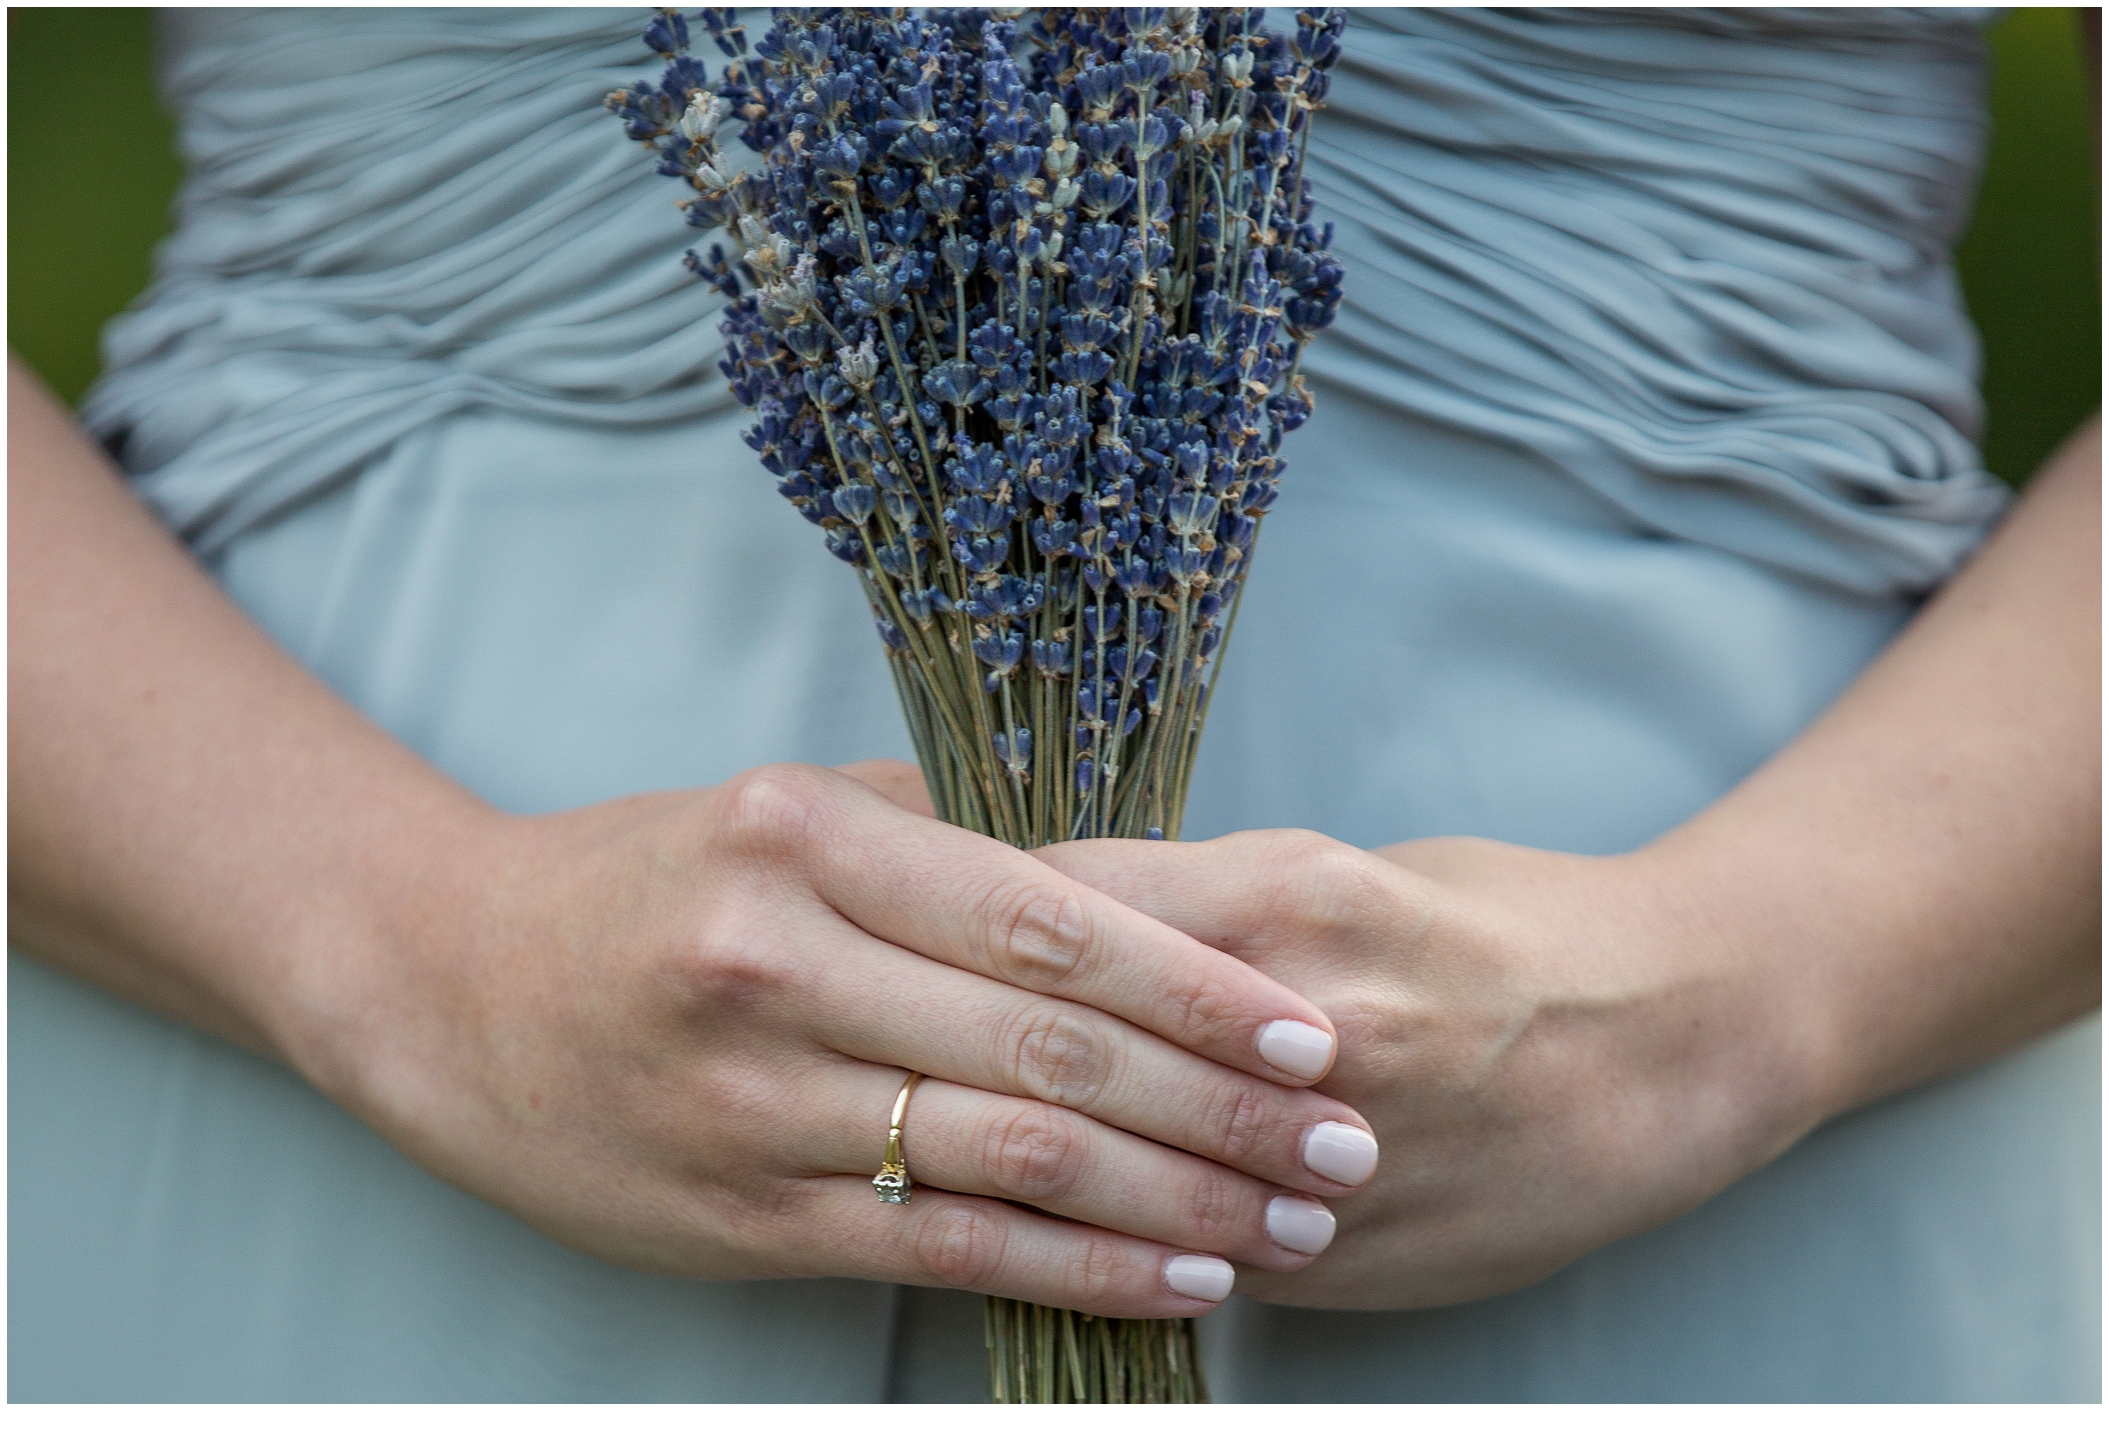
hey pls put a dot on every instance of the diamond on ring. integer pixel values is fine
(893, 1185)
(891, 1182)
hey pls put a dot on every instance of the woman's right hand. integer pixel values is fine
(668, 1030)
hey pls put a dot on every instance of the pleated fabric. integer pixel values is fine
(1648, 420)
(390, 220)
(1697, 260)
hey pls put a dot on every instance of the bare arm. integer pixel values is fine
(1941, 824)
(148, 721)
(1926, 858)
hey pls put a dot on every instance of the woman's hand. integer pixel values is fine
(668, 1031)
(1551, 1055)
(1557, 1051)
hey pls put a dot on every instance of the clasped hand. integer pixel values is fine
(1555, 1051)
(667, 1030)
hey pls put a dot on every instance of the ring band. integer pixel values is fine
(891, 1182)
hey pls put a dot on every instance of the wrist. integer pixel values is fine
(1719, 1026)
(1778, 1018)
(376, 950)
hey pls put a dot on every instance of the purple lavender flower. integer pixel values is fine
(1019, 304)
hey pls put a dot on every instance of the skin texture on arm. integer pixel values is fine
(1938, 830)
(1559, 1051)
(123, 745)
(667, 1029)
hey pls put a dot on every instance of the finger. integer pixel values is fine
(956, 1241)
(1026, 1045)
(1219, 892)
(977, 904)
(900, 783)
(966, 1140)
(1302, 908)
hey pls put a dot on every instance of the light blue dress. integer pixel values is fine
(1646, 424)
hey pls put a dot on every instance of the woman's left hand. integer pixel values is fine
(1559, 1051)
(1553, 1053)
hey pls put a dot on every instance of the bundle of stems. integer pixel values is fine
(1019, 300)
(1042, 1355)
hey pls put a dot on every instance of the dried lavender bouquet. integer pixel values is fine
(1019, 298)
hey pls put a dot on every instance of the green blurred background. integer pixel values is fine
(88, 190)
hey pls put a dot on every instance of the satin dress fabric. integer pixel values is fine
(1647, 422)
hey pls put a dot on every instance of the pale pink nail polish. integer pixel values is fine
(1341, 1153)
(1296, 1047)
(1300, 1224)
(1199, 1277)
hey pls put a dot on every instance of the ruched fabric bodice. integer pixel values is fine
(1696, 260)
(1647, 421)
(440, 225)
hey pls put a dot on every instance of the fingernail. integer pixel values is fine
(1299, 1224)
(1296, 1047)
(1343, 1154)
(1200, 1277)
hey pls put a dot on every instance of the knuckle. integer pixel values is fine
(1100, 1267)
(774, 809)
(960, 1246)
(1057, 1055)
(1208, 1007)
(723, 1229)
(727, 986)
(1341, 870)
(1043, 932)
(1035, 1153)
(1243, 1125)
(747, 1216)
(1300, 848)
(1317, 878)
(727, 968)
(1217, 1212)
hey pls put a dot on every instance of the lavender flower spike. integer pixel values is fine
(1019, 301)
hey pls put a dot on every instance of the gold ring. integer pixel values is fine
(891, 1182)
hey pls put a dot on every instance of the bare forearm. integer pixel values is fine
(194, 820)
(1920, 869)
